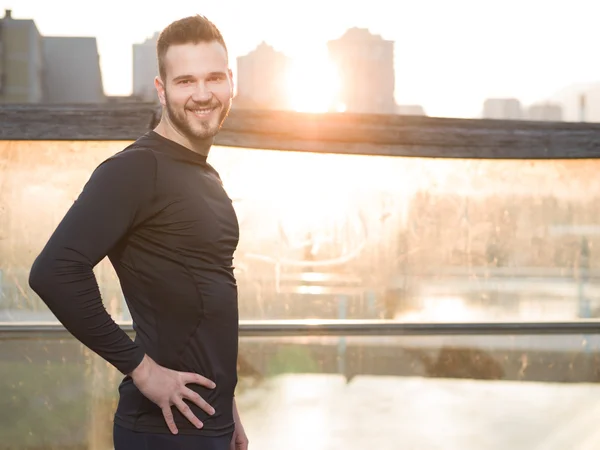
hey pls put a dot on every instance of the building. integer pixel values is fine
(502, 108)
(410, 110)
(551, 112)
(365, 63)
(261, 79)
(72, 73)
(21, 61)
(580, 102)
(41, 69)
(145, 69)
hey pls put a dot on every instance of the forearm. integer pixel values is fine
(236, 414)
(68, 287)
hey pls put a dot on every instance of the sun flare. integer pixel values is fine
(314, 85)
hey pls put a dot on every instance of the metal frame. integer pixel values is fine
(291, 328)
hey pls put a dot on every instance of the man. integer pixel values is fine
(158, 210)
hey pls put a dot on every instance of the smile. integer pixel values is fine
(202, 112)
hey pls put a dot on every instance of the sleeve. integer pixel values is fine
(115, 198)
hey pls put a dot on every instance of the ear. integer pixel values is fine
(160, 89)
(232, 82)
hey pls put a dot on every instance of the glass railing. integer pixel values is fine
(356, 392)
(352, 237)
(459, 298)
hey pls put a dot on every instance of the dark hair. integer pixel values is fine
(193, 29)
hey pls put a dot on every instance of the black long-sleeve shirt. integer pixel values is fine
(160, 213)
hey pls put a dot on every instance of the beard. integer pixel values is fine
(193, 128)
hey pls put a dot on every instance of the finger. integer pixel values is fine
(168, 415)
(187, 412)
(198, 400)
(243, 445)
(232, 443)
(197, 379)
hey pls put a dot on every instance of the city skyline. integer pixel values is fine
(448, 58)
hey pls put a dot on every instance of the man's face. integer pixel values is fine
(198, 88)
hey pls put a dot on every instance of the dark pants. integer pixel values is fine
(125, 439)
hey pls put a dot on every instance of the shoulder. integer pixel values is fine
(214, 171)
(135, 157)
(134, 166)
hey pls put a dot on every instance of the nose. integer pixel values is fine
(202, 93)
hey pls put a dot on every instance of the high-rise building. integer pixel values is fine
(502, 108)
(365, 64)
(21, 61)
(261, 79)
(72, 70)
(145, 69)
(551, 112)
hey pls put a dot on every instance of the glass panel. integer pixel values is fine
(349, 236)
(38, 183)
(463, 393)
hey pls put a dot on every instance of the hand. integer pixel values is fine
(239, 441)
(167, 387)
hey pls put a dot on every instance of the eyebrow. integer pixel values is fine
(185, 77)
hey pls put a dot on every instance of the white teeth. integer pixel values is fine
(202, 111)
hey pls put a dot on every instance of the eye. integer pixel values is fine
(216, 78)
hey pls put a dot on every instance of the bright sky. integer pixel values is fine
(450, 54)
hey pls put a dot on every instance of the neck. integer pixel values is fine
(167, 130)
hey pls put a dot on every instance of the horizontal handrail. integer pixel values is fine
(343, 133)
(293, 328)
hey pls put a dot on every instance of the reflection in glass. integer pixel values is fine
(348, 236)
(447, 393)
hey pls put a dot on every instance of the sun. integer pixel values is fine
(313, 84)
